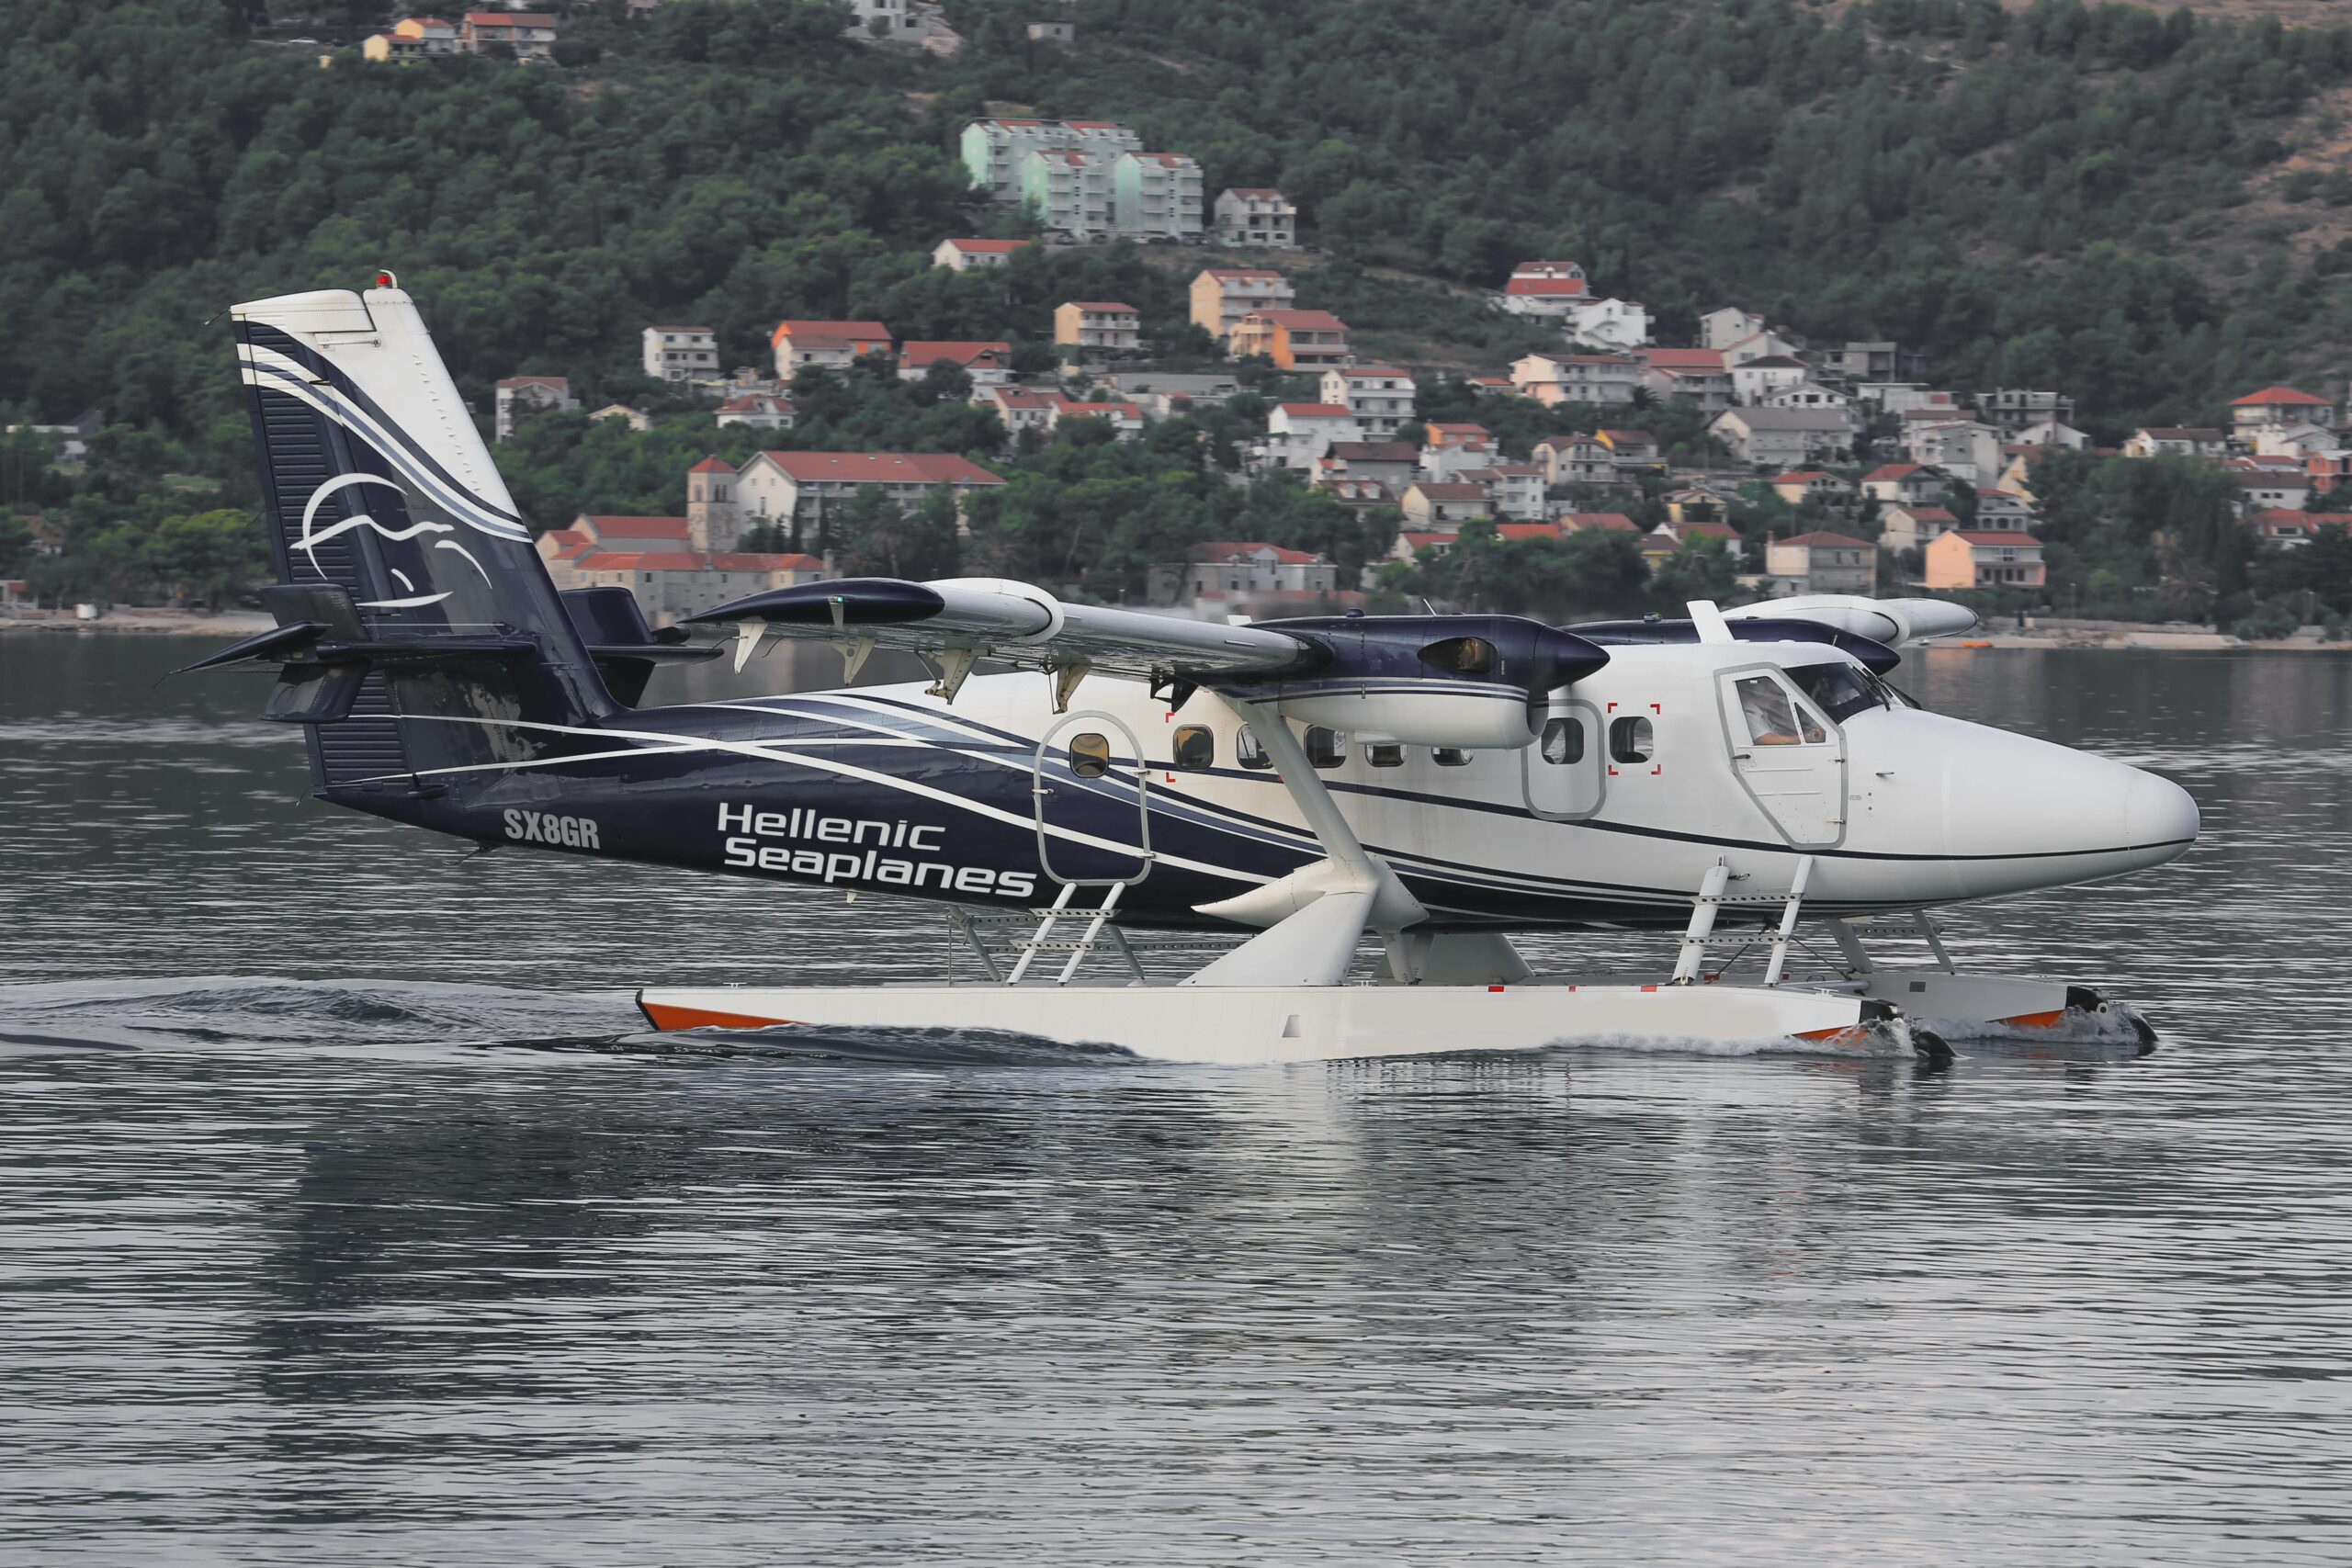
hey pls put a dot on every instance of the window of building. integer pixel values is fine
(1631, 741)
(1384, 753)
(1089, 754)
(1562, 740)
(1194, 748)
(1325, 748)
(1248, 751)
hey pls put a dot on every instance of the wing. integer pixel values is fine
(1894, 622)
(956, 620)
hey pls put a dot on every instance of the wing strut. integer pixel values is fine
(1316, 916)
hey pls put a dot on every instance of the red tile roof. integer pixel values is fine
(1435, 492)
(1928, 514)
(1890, 471)
(1607, 522)
(712, 465)
(1820, 538)
(1799, 477)
(988, 247)
(1101, 305)
(639, 528)
(1227, 550)
(1701, 359)
(1304, 320)
(847, 331)
(1978, 536)
(921, 353)
(1529, 531)
(881, 467)
(2278, 397)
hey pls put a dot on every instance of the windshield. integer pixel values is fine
(1841, 690)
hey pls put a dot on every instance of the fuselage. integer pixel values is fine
(1637, 779)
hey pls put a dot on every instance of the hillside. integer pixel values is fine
(2145, 210)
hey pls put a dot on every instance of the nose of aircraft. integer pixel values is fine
(2160, 819)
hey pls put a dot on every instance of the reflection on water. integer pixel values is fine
(362, 1228)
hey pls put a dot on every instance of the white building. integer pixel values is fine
(1070, 190)
(1720, 328)
(1156, 196)
(528, 35)
(1379, 396)
(1750, 379)
(828, 346)
(680, 354)
(1228, 569)
(1256, 216)
(520, 395)
(1606, 324)
(886, 19)
(1821, 562)
(804, 487)
(1576, 377)
(987, 363)
(2161, 441)
(994, 150)
(760, 411)
(964, 255)
(1297, 434)
(1781, 438)
(1966, 450)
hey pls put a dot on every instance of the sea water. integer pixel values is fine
(347, 1216)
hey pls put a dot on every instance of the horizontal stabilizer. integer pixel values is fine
(958, 619)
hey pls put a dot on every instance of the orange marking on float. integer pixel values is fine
(674, 1018)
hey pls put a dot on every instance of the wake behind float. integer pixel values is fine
(1746, 781)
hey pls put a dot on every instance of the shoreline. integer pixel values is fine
(231, 625)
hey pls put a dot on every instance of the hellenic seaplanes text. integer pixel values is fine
(875, 862)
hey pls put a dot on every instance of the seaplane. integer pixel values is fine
(1348, 818)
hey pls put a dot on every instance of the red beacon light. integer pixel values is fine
(385, 280)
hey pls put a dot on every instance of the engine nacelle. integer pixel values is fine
(1473, 682)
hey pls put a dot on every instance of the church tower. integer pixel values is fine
(712, 520)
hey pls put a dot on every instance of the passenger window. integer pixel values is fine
(1462, 655)
(1248, 753)
(1449, 756)
(1195, 747)
(1325, 748)
(1090, 755)
(1838, 690)
(1772, 719)
(1562, 740)
(1631, 741)
(1384, 753)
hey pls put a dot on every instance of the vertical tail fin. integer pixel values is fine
(381, 495)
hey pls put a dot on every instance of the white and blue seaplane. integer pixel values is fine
(1367, 808)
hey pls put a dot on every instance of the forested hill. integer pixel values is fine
(2143, 209)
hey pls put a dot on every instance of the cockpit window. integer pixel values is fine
(1462, 656)
(1772, 719)
(1836, 688)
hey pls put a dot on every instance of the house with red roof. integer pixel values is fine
(1553, 379)
(834, 345)
(668, 563)
(1904, 484)
(1697, 376)
(1544, 290)
(1910, 528)
(761, 411)
(1683, 533)
(1821, 562)
(1126, 420)
(964, 255)
(2292, 530)
(2279, 405)
(987, 363)
(800, 488)
(1801, 485)
(1294, 340)
(1596, 523)
(530, 35)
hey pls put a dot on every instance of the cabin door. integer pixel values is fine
(1563, 769)
(1093, 810)
(1787, 754)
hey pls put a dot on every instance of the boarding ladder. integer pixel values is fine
(1689, 963)
(1101, 930)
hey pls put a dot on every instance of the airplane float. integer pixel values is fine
(1366, 807)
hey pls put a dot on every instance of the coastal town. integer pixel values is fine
(1750, 460)
(1851, 470)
